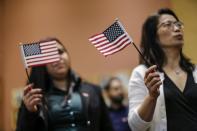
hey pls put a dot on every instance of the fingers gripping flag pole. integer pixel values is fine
(113, 39)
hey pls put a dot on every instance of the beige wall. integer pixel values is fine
(72, 21)
(186, 10)
(1, 64)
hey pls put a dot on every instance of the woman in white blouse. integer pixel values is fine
(163, 92)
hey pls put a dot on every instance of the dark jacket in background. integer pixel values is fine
(119, 118)
(94, 108)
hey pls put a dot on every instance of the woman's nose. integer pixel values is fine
(177, 28)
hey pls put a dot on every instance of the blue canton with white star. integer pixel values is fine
(32, 49)
(113, 32)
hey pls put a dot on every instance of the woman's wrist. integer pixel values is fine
(152, 98)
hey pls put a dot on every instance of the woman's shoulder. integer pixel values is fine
(140, 69)
(195, 67)
(90, 87)
(138, 72)
(195, 70)
(195, 73)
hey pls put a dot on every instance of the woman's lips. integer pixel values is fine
(179, 37)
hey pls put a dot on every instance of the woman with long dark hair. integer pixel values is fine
(163, 89)
(59, 100)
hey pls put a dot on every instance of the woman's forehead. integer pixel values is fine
(61, 47)
(166, 17)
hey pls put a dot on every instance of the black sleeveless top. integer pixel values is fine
(181, 107)
(65, 114)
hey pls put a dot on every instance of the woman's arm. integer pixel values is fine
(152, 82)
(27, 121)
(147, 108)
(28, 115)
(143, 93)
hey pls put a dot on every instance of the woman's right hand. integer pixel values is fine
(32, 97)
(152, 81)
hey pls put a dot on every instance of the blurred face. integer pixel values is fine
(59, 70)
(116, 92)
(170, 31)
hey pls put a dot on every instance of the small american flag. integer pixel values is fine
(37, 54)
(112, 40)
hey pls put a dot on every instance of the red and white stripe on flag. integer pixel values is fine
(112, 40)
(38, 54)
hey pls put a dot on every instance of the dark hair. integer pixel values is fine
(39, 75)
(108, 84)
(150, 47)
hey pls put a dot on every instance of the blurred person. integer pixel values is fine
(118, 111)
(59, 100)
(163, 97)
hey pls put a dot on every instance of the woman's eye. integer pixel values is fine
(60, 51)
(168, 24)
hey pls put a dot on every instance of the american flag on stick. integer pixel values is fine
(37, 54)
(112, 40)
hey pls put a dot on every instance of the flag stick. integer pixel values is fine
(133, 42)
(141, 54)
(27, 75)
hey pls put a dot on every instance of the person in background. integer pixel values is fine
(163, 91)
(118, 111)
(59, 100)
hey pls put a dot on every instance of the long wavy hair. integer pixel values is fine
(150, 47)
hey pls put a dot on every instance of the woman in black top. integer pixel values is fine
(161, 44)
(58, 100)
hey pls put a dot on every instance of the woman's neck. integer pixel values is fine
(172, 58)
(61, 84)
